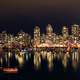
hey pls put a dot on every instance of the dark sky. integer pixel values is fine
(25, 14)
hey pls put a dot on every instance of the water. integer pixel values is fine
(44, 67)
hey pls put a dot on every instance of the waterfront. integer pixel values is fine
(40, 65)
(41, 56)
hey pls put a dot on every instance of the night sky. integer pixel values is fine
(25, 14)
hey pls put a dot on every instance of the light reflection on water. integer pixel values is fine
(19, 57)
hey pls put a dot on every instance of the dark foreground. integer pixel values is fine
(28, 72)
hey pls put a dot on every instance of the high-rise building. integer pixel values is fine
(79, 32)
(65, 32)
(49, 34)
(43, 38)
(36, 36)
(74, 30)
(21, 34)
(4, 36)
(49, 30)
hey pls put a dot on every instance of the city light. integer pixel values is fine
(43, 46)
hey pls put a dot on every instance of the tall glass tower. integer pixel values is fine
(36, 35)
(65, 32)
(74, 30)
(49, 30)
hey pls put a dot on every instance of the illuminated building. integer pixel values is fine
(54, 38)
(47, 46)
(74, 30)
(10, 41)
(57, 39)
(65, 32)
(49, 34)
(23, 39)
(79, 31)
(4, 35)
(36, 36)
(49, 30)
(3, 38)
(43, 36)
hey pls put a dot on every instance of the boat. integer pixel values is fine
(10, 70)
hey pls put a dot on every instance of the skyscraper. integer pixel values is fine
(36, 36)
(65, 32)
(49, 30)
(74, 30)
(49, 34)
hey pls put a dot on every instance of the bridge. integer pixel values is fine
(61, 45)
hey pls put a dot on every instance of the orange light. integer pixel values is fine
(10, 70)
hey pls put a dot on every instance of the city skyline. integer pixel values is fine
(47, 46)
(56, 28)
(48, 38)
